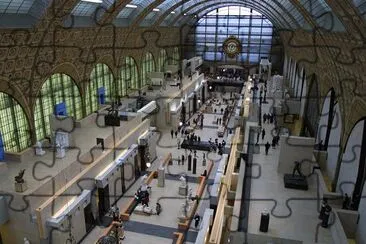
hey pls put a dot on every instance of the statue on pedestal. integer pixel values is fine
(19, 177)
(297, 169)
(184, 210)
(20, 184)
(60, 151)
(296, 181)
(39, 150)
(183, 182)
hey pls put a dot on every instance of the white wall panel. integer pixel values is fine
(303, 99)
(323, 120)
(350, 160)
(334, 141)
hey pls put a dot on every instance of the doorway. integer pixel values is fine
(137, 168)
(123, 179)
(104, 204)
(142, 152)
(89, 219)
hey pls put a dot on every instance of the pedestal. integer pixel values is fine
(295, 182)
(20, 187)
(263, 227)
(189, 162)
(257, 149)
(182, 190)
(40, 152)
(161, 177)
(194, 165)
(60, 153)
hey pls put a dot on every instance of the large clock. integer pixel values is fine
(232, 46)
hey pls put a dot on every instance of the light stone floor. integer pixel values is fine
(168, 196)
(298, 221)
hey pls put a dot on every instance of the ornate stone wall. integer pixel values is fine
(29, 57)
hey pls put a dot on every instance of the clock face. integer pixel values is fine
(232, 47)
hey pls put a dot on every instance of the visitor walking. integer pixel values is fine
(197, 219)
(273, 142)
(263, 134)
(176, 134)
(158, 208)
(267, 146)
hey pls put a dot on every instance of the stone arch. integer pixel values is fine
(325, 117)
(311, 112)
(334, 143)
(15, 128)
(352, 173)
(57, 88)
(101, 77)
(146, 67)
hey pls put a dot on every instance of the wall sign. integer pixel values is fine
(232, 47)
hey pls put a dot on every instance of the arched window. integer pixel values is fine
(148, 65)
(57, 89)
(14, 127)
(162, 61)
(253, 30)
(101, 77)
(176, 57)
(129, 75)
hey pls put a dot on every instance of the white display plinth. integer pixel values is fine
(161, 177)
(60, 153)
(295, 148)
(182, 190)
(40, 152)
(20, 187)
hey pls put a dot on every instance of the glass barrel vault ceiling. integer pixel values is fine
(361, 6)
(253, 30)
(283, 13)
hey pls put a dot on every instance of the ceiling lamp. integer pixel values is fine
(156, 10)
(172, 12)
(131, 6)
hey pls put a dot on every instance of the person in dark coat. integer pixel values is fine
(273, 142)
(264, 118)
(277, 139)
(183, 158)
(172, 132)
(267, 146)
(197, 219)
(263, 134)
(158, 208)
(176, 134)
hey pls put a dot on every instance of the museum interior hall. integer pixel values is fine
(182, 121)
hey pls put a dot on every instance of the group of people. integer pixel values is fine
(142, 197)
(269, 118)
(217, 147)
(275, 141)
(218, 121)
(193, 138)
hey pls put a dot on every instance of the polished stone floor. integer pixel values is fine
(160, 229)
(294, 213)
